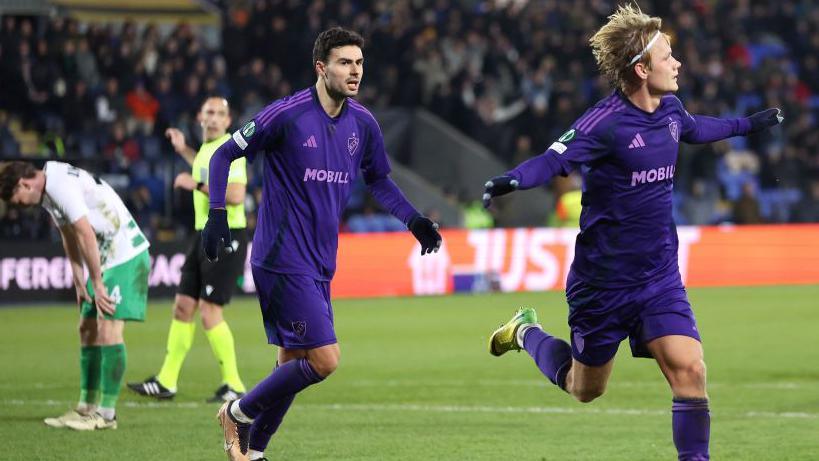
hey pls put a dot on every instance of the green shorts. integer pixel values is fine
(127, 285)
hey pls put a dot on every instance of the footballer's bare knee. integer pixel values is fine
(586, 383)
(285, 355)
(211, 314)
(184, 307)
(587, 394)
(324, 360)
(109, 332)
(88, 331)
(688, 379)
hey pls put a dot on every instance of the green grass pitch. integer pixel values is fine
(416, 383)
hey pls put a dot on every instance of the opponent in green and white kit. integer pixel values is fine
(99, 235)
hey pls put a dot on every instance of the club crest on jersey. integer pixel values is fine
(352, 144)
(674, 128)
(300, 328)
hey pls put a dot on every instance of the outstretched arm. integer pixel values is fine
(579, 145)
(701, 129)
(529, 174)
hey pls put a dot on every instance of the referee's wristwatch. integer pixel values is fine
(199, 186)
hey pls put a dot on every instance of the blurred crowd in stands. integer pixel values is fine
(511, 74)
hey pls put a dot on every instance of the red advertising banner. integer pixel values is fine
(539, 258)
(532, 259)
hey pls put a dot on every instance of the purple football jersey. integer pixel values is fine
(627, 158)
(310, 163)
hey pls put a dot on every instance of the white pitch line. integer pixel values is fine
(429, 408)
(789, 386)
(779, 386)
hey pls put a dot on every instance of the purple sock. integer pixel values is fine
(552, 355)
(286, 380)
(691, 423)
(268, 422)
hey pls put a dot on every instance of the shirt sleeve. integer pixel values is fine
(701, 129)
(376, 169)
(574, 148)
(375, 165)
(387, 193)
(255, 135)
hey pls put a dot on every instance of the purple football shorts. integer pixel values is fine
(600, 318)
(296, 309)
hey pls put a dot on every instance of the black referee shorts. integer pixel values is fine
(213, 281)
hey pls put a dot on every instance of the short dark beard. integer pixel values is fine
(334, 95)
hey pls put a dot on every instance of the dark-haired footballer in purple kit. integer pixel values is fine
(625, 280)
(314, 144)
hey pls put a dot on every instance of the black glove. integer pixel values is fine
(216, 230)
(497, 186)
(426, 232)
(763, 120)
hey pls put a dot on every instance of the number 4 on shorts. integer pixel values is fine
(115, 295)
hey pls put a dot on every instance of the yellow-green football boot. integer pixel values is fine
(504, 339)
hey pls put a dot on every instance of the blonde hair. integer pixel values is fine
(622, 38)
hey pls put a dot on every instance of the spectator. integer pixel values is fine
(497, 73)
(746, 207)
(110, 104)
(144, 108)
(699, 208)
(121, 150)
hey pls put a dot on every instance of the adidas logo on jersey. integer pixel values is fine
(637, 142)
(311, 142)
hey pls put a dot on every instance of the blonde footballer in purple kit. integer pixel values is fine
(314, 144)
(625, 279)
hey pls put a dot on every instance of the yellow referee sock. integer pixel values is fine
(180, 339)
(221, 342)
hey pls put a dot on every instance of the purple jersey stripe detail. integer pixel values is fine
(276, 109)
(298, 96)
(614, 108)
(586, 119)
(582, 119)
(602, 115)
(581, 126)
(357, 106)
(269, 115)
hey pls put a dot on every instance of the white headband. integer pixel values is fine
(648, 47)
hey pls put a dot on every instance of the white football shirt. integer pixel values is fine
(71, 193)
